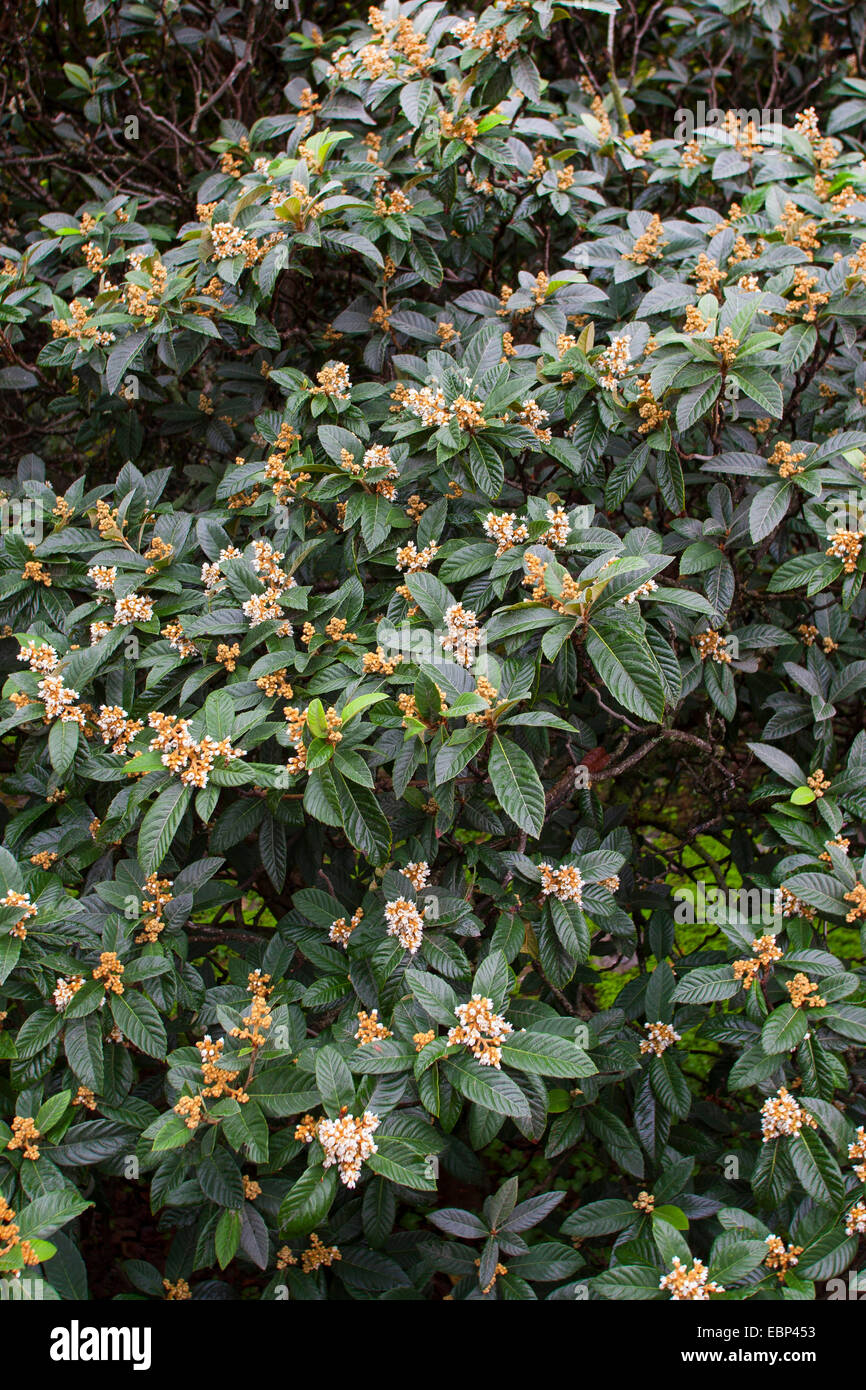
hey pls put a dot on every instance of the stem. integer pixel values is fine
(616, 90)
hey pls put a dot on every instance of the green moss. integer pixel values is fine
(607, 987)
(845, 943)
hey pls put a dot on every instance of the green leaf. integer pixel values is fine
(457, 753)
(306, 1204)
(545, 1054)
(635, 1282)
(82, 1041)
(624, 475)
(486, 1086)
(334, 1081)
(422, 257)
(52, 1111)
(384, 1056)
(173, 1133)
(432, 597)
(62, 745)
(139, 1021)
(785, 1029)
(45, 1215)
(219, 1177)
(779, 762)
(601, 1218)
(121, 358)
(814, 570)
(160, 824)
(625, 662)
(517, 785)
(760, 387)
(334, 439)
(669, 1242)
(768, 507)
(37, 1031)
(707, 983)
(360, 703)
(693, 405)
(247, 1129)
(525, 77)
(375, 515)
(434, 994)
(674, 1216)
(363, 819)
(847, 1020)
(227, 1237)
(817, 1169)
(670, 1086)
(10, 950)
(280, 1090)
(669, 472)
(272, 847)
(486, 467)
(682, 598)
(732, 1258)
(401, 1164)
(219, 714)
(617, 1139)
(802, 796)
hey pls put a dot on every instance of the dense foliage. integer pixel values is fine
(431, 575)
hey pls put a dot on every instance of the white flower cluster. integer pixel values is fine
(116, 727)
(340, 931)
(689, 1284)
(134, 608)
(418, 872)
(429, 405)
(261, 608)
(211, 574)
(185, 756)
(855, 1221)
(649, 587)
(12, 898)
(857, 1151)
(565, 884)
(464, 634)
(559, 529)
(787, 904)
(613, 362)
(39, 658)
(481, 1030)
(504, 532)
(660, 1036)
(228, 240)
(379, 456)
(410, 559)
(51, 691)
(781, 1115)
(103, 576)
(406, 922)
(533, 417)
(55, 696)
(348, 1142)
(66, 990)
